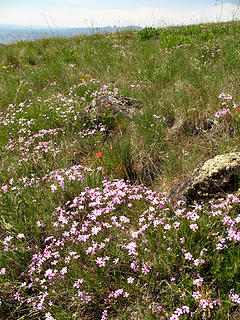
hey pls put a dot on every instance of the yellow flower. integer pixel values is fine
(87, 75)
(82, 79)
(4, 67)
(166, 138)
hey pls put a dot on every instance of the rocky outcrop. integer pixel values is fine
(211, 179)
(193, 128)
(115, 104)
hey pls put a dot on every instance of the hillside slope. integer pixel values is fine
(86, 228)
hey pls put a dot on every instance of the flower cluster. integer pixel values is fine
(85, 133)
(87, 229)
(234, 297)
(55, 179)
(32, 147)
(227, 109)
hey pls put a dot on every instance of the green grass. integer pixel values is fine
(48, 144)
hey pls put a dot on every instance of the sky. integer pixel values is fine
(98, 13)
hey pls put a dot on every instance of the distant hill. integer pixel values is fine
(11, 33)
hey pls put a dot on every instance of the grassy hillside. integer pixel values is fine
(86, 228)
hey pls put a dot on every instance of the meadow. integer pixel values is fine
(87, 230)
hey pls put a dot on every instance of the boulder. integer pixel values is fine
(115, 104)
(211, 179)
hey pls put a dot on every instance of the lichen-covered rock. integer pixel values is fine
(211, 179)
(115, 104)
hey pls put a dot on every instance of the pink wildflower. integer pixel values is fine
(185, 309)
(203, 303)
(196, 295)
(193, 227)
(198, 282)
(130, 280)
(2, 271)
(188, 256)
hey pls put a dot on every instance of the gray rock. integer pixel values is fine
(199, 126)
(115, 104)
(211, 179)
